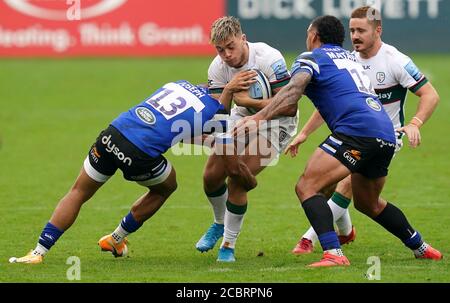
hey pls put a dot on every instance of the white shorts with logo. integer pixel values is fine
(279, 133)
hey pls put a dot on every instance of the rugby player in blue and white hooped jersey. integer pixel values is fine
(392, 74)
(134, 143)
(362, 142)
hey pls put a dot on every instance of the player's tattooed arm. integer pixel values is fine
(287, 98)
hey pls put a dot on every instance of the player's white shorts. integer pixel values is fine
(279, 135)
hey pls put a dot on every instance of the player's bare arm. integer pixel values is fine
(243, 99)
(287, 98)
(428, 102)
(429, 99)
(314, 122)
(225, 99)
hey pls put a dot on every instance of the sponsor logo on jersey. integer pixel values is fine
(280, 69)
(381, 77)
(352, 156)
(385, 96)
(413, 71)
(41, 9)
(145, 115)
(373, 104)
(366, 67)
(112, 148)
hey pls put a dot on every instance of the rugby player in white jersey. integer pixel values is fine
(392, 74)
(230, 74)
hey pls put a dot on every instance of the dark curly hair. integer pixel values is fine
(330, 30)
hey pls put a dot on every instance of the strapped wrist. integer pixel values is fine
(416, 121)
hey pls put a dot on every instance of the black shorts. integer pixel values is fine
(112, 151)
(368, 156)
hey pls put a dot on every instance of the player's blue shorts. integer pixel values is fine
(368, 156)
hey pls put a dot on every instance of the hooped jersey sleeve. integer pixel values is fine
(306, 62)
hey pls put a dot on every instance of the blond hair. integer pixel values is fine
(225, 28)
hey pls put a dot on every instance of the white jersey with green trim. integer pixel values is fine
(392, 73)
(261, 56)
(271, 62)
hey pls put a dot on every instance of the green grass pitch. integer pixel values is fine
(50, 113)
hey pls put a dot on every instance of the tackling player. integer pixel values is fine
(362, 142)
(392, 74)
(228, 75)
(134, 143)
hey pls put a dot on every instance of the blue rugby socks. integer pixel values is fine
(321, 218)
(49, 235)
(127, 226)
(394, 221)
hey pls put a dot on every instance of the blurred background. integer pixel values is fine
(56, 28)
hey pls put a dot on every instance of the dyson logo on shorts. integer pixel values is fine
(112, 148)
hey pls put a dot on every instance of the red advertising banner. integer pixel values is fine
(107, 27)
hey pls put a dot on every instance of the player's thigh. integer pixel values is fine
(85, 186)
(322, 170)
(344, 187)
(259, 154)
(167, 186)
(328, 191)
(214, 173)
(366, 194)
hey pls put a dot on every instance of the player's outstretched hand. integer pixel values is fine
(413, 133)
(293, 146)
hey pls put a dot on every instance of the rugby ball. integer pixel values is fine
(260, 89)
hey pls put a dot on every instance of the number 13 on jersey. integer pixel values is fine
(173, 100)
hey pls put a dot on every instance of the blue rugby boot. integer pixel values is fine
(226, 254)
(210, 238)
